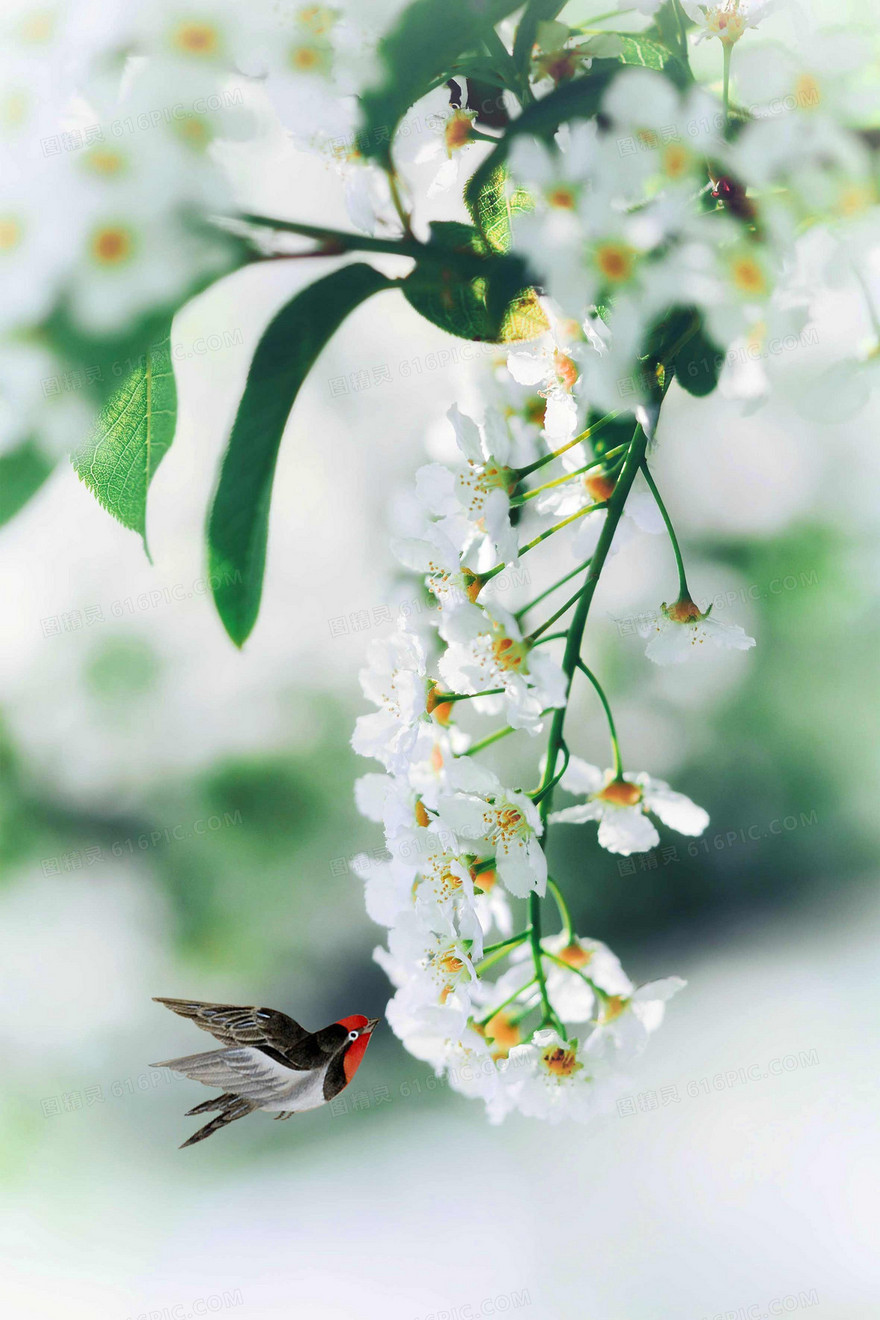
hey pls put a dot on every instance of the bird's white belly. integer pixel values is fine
(306, 1092)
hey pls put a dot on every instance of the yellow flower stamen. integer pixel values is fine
(111, 245)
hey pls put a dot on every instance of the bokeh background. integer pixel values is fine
(177, 818)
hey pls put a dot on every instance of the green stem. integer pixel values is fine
(548, 1016)
(500, 733)
(542, 536)
(728, 51)
(572, 600)
(490, 739)
(616, 504)
(569, 476)
(684, 594)
(469, 265)
(560, 962)
(563, 449)
(549, 591)
(551, 637)
(397, 201)
(612, 13)
(547, 788)
(441, 698)
(563, 909)
(496, 952)
(615, 746)
(501, 1007)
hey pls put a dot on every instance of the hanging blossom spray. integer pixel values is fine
(527, 1019)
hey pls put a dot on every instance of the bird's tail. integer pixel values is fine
(217, 1102)
(234, 1106)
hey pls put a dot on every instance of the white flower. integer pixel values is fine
(569, 991)
(472, 1070)
(677, 630)
(436, 556)
(502, 821)
(439, 962)
(828, 73)
(449, 132)
(728, 20)
(428, 1030)
(33, 404)
(480, 493)
(388, 887)
(395, 681)
(613, 376)
(491, 905)
(555, 1079)
(549, 363)
(621, 806)
(581, 241)
(33, 253)
(495, 655)
(627, 1020)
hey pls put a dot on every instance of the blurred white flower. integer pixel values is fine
(729, 19)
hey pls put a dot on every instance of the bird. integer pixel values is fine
(269, 1061)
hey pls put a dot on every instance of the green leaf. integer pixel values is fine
(419, 53)
(493, 208)
(133, 434)
(679, 340)
(666, 27)
(239, 520)
(697, 364)
(535, 13)
(22, 473)
(498, 306)
(647, 54)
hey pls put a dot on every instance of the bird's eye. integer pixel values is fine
(353, 1035)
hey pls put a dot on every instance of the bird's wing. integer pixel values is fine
(273, 1033)
(245, 1071)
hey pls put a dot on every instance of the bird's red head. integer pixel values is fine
(359, 1029)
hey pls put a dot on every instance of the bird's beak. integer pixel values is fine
(371, 1026)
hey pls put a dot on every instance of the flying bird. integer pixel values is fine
(269, 1061)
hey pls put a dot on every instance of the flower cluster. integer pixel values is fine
(465, 843)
